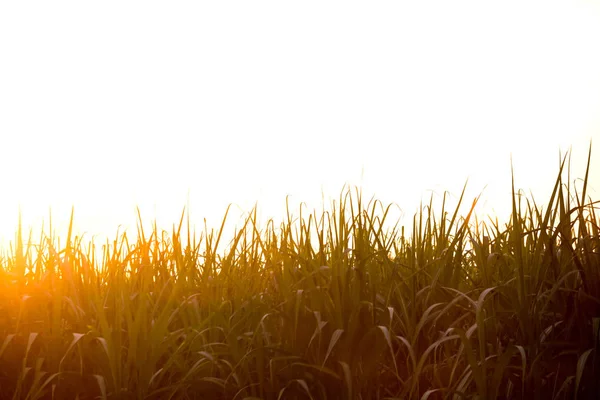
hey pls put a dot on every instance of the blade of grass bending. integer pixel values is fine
(423, 359)
(388, 338)
(347, 377)
(479, 317)
(580, 368)
(543, 229)
(334, 339)
(583, 234)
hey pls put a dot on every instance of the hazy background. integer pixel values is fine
(114, 104)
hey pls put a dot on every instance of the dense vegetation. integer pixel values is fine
(340, 305)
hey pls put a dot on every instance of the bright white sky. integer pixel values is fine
(108, 105)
